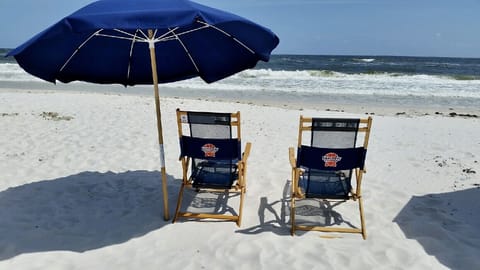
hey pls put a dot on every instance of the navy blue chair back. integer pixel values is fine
(330, 157)
(213, 148)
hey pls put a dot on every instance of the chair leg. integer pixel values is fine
(242, 196)
(362, 218)
(179, 202)
(292, 203)
(292, 215)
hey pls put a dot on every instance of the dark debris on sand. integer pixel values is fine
(9, 114)
(55, 116)
(454, 114)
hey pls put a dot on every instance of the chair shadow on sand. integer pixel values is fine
(276, 225)
(81, 212)
(212, 202)
(315, 212)
(446, 225)
(308, 212)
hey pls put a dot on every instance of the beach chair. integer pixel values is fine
(331, 151)
(211, 158)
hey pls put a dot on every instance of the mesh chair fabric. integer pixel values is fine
(213, 172)
(210, 125)
(331, 133)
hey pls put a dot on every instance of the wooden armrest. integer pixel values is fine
(293, 161)
(242, 165)
(246, 153)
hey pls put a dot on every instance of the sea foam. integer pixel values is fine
(315, 81)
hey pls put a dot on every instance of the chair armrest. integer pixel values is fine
(246, 153)
(242, 166)
(291, 154)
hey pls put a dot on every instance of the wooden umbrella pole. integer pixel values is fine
(153, 61)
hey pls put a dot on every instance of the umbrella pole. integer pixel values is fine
(153, 61)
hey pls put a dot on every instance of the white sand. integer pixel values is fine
(85, 193)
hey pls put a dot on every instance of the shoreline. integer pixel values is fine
(359, 104)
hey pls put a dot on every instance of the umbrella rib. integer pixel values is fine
(186, 50)
(132, 37)
(131, 52)
(165, 36)
(144, 35)
(227, 34)
(170, 35)
(78, 49)
(184, 33)
(118, 37)
(126, 33)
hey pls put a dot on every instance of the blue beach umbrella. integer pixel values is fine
(146, 42)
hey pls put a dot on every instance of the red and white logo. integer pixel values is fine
(209, 150)
(331, 159)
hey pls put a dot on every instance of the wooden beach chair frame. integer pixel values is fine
(239, 185)
(355, 195)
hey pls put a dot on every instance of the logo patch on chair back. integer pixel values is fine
(209, 150)
(331, 159)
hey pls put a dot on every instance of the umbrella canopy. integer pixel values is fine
(145, 42)
(107, 42)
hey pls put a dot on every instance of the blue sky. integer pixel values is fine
(340, 27)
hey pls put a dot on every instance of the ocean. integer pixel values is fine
(391, 80)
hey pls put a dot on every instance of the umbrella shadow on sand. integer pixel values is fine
(446, 225)
(80, 212)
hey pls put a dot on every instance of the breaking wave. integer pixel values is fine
(316, 81)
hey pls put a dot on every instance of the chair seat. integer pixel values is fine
(216, 175)
(324, 185)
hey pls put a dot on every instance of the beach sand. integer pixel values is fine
(80, 189)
